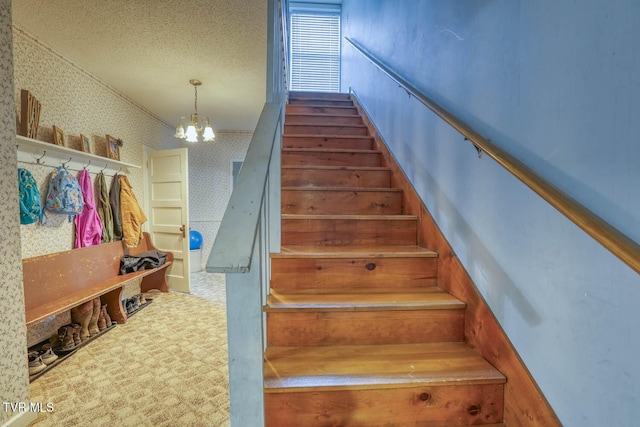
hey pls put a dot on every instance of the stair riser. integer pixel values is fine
(297, 158)
(342, 143)
(303, 129)
(340, 273)
(335, 178)
(309, 109)
(446, 406)
(311, 328)
(347, 202)
(324, 120)
(320, 232)
(322, 102)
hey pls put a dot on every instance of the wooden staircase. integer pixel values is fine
(358, 331)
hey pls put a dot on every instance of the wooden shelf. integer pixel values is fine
(30, 150)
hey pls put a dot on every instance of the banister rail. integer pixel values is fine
(248, 233)
(608, 236)
(234, 244)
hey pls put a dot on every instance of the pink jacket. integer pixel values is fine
(88, 225)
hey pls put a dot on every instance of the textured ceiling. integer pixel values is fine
(149, 49)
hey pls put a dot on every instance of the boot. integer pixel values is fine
(65, 338)
(82, 315)
(105, 313)
(93, 323)
(75, 333)
(102, 322)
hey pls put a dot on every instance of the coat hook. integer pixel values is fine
(65, 163)
(106, 165)
(88, 164)
(38, 159)
(119, 170)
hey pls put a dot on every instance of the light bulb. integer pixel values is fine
(180, 132)
(192, 135)
(208, 134)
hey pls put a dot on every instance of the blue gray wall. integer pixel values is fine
(557, 84)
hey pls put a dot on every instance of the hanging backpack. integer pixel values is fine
(30, 208)
(64, 195)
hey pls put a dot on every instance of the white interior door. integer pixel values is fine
(168, 190)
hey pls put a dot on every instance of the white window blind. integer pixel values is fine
(315, 52)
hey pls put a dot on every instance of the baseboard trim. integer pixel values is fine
(21, 419)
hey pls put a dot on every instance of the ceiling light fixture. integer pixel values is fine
(195, 129)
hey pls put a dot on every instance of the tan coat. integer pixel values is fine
(132, 215)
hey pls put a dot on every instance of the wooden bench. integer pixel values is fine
(57, 282)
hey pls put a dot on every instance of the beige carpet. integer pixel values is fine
(167, 366)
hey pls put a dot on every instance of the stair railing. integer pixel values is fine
(248, 233)
(608, 236)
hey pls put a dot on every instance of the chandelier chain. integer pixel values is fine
(195, 104)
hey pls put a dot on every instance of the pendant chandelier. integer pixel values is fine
(195, 130)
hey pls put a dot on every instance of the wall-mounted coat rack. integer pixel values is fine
(47, 154)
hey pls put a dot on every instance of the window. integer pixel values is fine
(315, 51)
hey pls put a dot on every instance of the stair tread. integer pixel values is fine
(322, 115)
(328, 150)
(336, 136)
(388, 251)
(300, 94)
(336, 106)
(351, 217)
(358, 290)
(318, 98)
(362, 189)
(350, 168)
(375, 366)
(320, 102)
(356, 125)
(401, 299)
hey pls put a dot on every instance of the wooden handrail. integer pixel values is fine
(232, 249)
(607, 235)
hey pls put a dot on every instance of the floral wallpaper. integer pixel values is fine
(78, 103)
(210, 182)
(14, 378)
